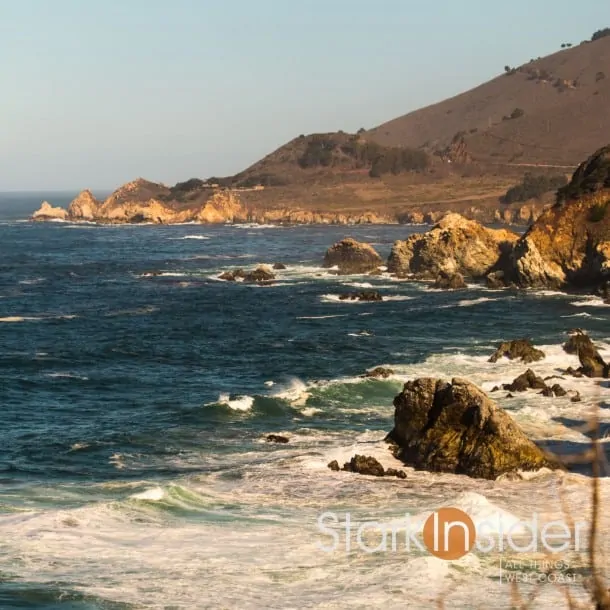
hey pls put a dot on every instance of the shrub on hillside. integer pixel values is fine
(397, 160)
(600, 34)
(533, 187)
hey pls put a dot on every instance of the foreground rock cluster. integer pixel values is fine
(367, 465)
(454, 427)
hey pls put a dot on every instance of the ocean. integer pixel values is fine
(137, 391)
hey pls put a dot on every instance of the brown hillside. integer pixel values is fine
(565, 98)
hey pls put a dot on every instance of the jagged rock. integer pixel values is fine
(334, 466)
(261, 274)
(84, 206)
(449, 281)
(574, 372)
(526, 381)
(232, 276)
(364, 465)
(48, 212)
(454, 245)
(379, 372)
(558, 390)
(495, 280)
(277, 438)
(522, 349)
(393, 472)
(454, 427)
(279, 266)
(367, 295)
(576, 397)
(592, 364)
(569, 244)
(351, 257)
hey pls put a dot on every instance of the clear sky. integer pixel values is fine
(98, 92)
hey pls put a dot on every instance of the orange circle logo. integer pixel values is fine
(449, 533)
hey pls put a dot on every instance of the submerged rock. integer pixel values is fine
(379, 372)
(261, 274)
(454, 427)
(277, 438)
(454, 245)
(450, 281)
(232, 276)
(279, 266)
(592, 364)
(368, 465)
(367, 295)
(518, 349)
(352, 256)
(527, 381)
(364, 465)
(334, 466)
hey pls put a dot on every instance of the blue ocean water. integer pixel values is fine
(137, 390)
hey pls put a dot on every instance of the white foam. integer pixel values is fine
(14, 319)
(472, 302)
(239, 403)
(154, 494)
(204, 237)
(590, 302)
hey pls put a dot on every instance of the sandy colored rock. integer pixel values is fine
(84, 206)
(48, 212)
(454, 245)
(351, 256)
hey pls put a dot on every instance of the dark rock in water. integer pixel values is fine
(449, 281)
(558, 390)
(364, 465)
(518, 349)
(393, 472)
(367, 295)
(260, 274)
(576, 397)
(574, 372)
(496, 389)
(548, 392)
(509, 395)
(334, 465)
(526, 381)
(495, 280)
(454, 427)
(351, 256)
(232, 276)
(276, 438)
(379, 372)
(592, 364)
(279, 266)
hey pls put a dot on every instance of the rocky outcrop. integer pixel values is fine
(47, 212)
(379, 372)
(351, 256)
(454, 427)
(569, 245)
(261, 274)
(449, 281)
(454, 245)
(518, 349)
(277, 438)
(527, 381)
(367, 465)
(223, 206)
(366, 295)
(84, 207)
(591, 362)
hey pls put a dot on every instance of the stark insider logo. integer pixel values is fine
(450, 533)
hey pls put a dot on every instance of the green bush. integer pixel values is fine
(533, 187)
(600, 34)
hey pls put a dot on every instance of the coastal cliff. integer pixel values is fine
(569, 245)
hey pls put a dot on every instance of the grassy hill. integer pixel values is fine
(558, 106)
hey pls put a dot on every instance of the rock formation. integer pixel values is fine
(449, 281)
(454, 245)
(368, 465)
(48, 212)
(351, 256)
(379, 372)
(591, 363)
(84, 207)
(454, 427)
(569, 245)
(366, 295)
(518, 349)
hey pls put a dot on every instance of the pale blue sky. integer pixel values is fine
(95, 93)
